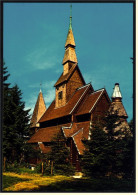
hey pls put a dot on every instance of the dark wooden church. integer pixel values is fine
(75, 107)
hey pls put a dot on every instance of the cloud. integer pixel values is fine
(30, 103)
(41, 59)
(49, 97)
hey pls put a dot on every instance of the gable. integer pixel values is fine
(64, 78)
(52, 112)
(91, 102)
(74, 82)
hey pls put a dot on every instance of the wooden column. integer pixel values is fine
(71, 152)
(77, 162)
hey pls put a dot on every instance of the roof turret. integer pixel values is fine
(117, 104)
(39, 109)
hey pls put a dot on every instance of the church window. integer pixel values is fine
(60, 95)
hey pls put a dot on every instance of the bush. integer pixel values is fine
(18, 168)
(46, 169)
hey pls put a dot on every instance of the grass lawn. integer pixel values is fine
(89, 185)
(36, 183)
(9, 180)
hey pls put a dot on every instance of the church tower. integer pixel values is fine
(71, 78)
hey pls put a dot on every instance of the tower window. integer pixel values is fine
(60, 95)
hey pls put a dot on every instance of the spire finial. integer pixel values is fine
(40, 86)
(70, 24)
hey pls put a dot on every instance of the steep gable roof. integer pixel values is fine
(66, 77)
(68, 109)
(91, 101)
(77, 141)
(39, 109)
(78, 131)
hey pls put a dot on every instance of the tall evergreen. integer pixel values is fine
(105, 151)
(15, 122)
(94, 161)
(60, 156)
(129, 153)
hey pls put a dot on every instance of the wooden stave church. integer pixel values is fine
(75, 107)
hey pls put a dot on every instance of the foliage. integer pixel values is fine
(108, 149)
(18, 168)
(129, 153)
(15, 123)
(94, 160)
(46, 168)
(60, 155)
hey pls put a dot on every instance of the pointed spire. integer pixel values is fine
(39, 109)
(116, 93)
(70, 54)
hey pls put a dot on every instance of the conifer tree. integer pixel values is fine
(15, 122)
(129, 153)
(105, 151)
(60, 156)
(94, 160)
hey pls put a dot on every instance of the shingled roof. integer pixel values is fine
(90, 102)
(78, 131)
(45, 134)
(72, 104)
(66, 77)
(39, 109)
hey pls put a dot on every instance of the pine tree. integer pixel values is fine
(104, 152)
(15, 123)
(94, 161)
(60, 156)
(6, 112)
(129, 153)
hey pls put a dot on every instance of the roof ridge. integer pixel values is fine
(77, 132)
(79, 99)
(83, 86)
(97, 99)
(98, 90)
(74, 139)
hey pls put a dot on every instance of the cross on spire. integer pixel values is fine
(40, 86)
(70, 24)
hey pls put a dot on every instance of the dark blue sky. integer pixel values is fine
(34, 39)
